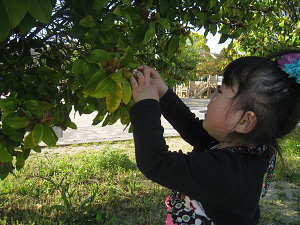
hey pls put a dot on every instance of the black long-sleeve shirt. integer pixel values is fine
(228, 184)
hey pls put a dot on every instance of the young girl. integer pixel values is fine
(220, 181)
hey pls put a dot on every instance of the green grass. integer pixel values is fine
(284, 206)
(289, 170)
(99, 188)
(100, 184)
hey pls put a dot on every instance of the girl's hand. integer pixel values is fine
(155, 79)
(143, 88)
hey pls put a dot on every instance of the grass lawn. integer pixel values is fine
(100, 184)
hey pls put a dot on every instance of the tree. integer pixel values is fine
(183, 66)
(56, 54)
(277, 28)
(211, 64)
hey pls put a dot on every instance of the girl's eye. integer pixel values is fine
(219, 89)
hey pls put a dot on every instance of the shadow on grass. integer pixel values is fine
(135, 210)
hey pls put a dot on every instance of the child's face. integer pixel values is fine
(221, 117)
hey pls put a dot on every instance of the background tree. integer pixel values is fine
(277, 28)
(183, 66)
(55, 54)
(211, 64)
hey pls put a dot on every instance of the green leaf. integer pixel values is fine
(127, 2)
(38, 133)
(114, 97)
(45, 106)
(8, 104)
(49, 137)
(281, 24)
(213, 29)
(127, 57)
(80, 67)
(4, 155)
(37, 149)
(125, 118)
(99, 55)
(104, 88)
(34, 107)
(149, 4)
(164, 22)
(130, 104)
(223, 38)
(40, 10)
(173, 44)
(71, 124)
(26, 24)
(202, 17)
(123, 12)
(107, 119)
(29, 141)
(118, 77)
(118, 11)
(107, 23)
(212, 3)
(88, 22)
(94, 81)
(101, 105)
(130, 130)
(150, 33)
(29, 104)
(98, 118)
(4, 23)
(26, 153)
(126, 91)
(164, 7)
(99, 4)
(60, 113)
(206, 32)
(15, 121)
(20, 161)
(16, 10)
(139, 33)
(13, 134)
(114, 117)
(182, 42)
(3, 173)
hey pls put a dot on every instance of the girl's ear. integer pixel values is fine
(247, 123)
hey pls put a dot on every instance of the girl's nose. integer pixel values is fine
(213, 97)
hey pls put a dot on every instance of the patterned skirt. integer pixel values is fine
(185, 211)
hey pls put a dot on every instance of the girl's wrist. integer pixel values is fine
(163, 90)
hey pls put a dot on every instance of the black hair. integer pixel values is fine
(265, 89)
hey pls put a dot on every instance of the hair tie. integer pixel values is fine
(290, 63)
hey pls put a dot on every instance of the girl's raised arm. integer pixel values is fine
(177, 113)
(184, 121)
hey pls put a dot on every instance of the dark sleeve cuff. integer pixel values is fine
(164, 99)
(145, 114)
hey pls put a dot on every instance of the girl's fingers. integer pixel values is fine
(134, 83)
(146, 69)
(147, 75)
(141, 78)
(140, 68)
